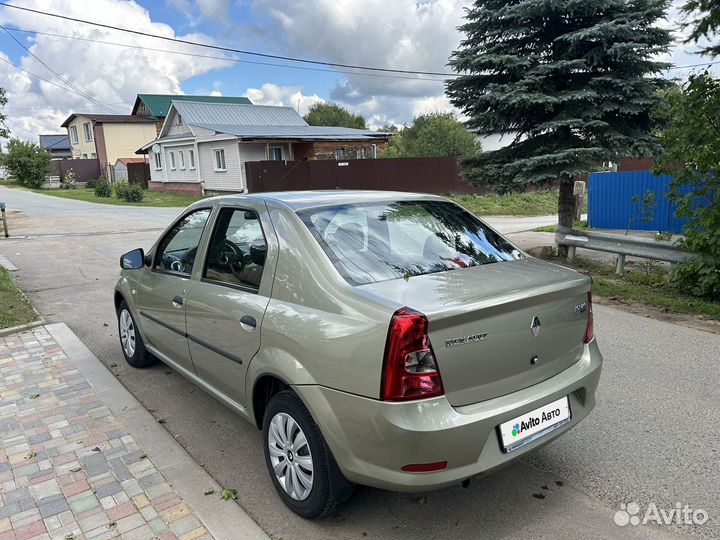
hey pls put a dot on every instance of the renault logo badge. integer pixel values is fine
(535, 326)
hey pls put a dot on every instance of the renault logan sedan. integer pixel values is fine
(386, 339)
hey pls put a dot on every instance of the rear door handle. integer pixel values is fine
(248, 323)
(177, 301)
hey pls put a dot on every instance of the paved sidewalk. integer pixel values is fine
(71, 469)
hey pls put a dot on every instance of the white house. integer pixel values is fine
(202, 147)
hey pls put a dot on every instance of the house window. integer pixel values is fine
(373, 151)
(182, 160)
(158, 162)
(84, 156)
(341, 153)
(93, 155)
(88, 132)
(191, 157)
(219, 155)
(275, 153)
(73, 134)
(172, 161)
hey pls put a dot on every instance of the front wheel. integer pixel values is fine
(304, 472)
(131, 341)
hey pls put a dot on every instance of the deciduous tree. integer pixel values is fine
(332, 114)
(689, 121)
(26, 162)
(433, 135)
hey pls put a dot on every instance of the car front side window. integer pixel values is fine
(178, 249)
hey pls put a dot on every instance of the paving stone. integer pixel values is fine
(67, 465)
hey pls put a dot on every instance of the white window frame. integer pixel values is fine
(182, 160)
(282, 152)
(341, 153)
(74, 135)
(158, 161)
(191, 158)
(88, 132)
(172, 161)
(221, 153)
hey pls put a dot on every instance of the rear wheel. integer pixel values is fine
(131, 341)
(304, 472)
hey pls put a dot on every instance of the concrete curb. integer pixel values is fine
(21, 328)
(224, 519)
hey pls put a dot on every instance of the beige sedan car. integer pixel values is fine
(386, 339)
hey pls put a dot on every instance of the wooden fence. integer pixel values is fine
(424, 175)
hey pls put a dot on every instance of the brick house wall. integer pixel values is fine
(184, 188)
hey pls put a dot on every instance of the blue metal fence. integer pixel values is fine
(611, 205)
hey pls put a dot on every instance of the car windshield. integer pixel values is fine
(368, 243)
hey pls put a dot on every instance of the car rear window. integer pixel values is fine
(368, 243)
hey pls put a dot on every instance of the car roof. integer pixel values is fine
(301, 200)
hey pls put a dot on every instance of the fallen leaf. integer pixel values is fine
(228, 494)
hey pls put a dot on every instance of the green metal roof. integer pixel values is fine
(159, 104)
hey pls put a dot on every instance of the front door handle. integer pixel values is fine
(177, 301)
(248, 323)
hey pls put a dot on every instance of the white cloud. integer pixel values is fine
(288, 96)
(402, 34)
(113, 75)
(218, 10)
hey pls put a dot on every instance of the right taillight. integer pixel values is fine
(589, 329)
(410, 370)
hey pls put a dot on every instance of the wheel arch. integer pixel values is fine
(264, 388)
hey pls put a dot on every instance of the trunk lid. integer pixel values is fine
(480, 323)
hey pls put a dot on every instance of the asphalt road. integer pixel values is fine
(654, 436)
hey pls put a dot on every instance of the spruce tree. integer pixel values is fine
(571, 82)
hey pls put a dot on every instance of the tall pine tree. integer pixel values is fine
(572, 82)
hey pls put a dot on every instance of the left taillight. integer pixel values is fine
(410, 370)
(590, 328)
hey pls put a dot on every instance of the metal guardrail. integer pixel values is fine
(647, 248)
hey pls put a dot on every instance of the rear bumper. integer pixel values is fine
(372, 440)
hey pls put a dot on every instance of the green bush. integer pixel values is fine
(129, 192)
(26, 162)
(90, 184)
(135, 193)
(121, 189)
(102, 188)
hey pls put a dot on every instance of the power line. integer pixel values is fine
(49, 82)
(230, 49)
(226, 58)
(51, 70)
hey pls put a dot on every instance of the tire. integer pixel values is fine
(327, 488)
(131, 342)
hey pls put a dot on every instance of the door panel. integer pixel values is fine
(163, 291)
(164, 320)
(220, 346)
(224, 310)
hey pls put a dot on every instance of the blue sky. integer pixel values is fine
(399, 33)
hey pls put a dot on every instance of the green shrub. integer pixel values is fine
(69, 180)
(120, 189)
(135, 193)
(90, 184)
(102, 188)
(26, 162)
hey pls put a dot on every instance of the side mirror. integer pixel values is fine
(133, 260)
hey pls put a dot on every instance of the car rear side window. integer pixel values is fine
(368, 243)
(237, 250)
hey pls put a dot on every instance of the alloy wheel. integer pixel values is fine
(127, 333)
(290, 456)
